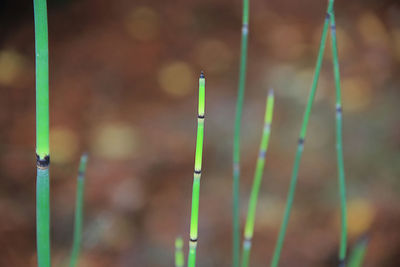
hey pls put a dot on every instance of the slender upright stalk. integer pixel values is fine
(76, 245)
(249, 228)
(339, 145)
(194, 221)
(42, 135)
(236, 138)
(300, 146)
(179, 258)
(357, 255)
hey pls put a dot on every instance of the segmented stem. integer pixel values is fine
(339, 143)
(76, 245)
(300, 146)
(236, 141)
(357, 255)
(197, 175)
(179, 258)
(42, 135)
(249, 228)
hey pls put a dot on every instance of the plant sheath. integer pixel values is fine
(300, 146)
(179, 258)
(194, 220)
(339, 144)
(249, 227)
(76, 244)
(236, 138)
(42, 134)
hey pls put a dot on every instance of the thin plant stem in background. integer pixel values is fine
(357, 255)
(76, 245)
(194, 220)
(236, 138)
(42, 134)
(179, 258)
(249, 228)
(339, 144)
(300, 146)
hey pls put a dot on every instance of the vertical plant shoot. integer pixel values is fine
(251, 214)
(357, 255)
(42, 134)
(194, 221)
(179, 258)
(300, 145)
(76, 245)
(236, 138)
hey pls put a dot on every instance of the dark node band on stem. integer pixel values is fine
(333, 27)
(301, 141)
(245, 28)
(342, 263)
(81, 174)
(339, 109)
(197, 171)
(200, 116)
(262, 154)
(193, 240)
(42, 163)
(202, 75)
(328, 16)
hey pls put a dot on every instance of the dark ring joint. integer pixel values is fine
(342, 263)
(339, 109)
(193, 240)
(333, 27)
(42, 163)
(301, 141)
(197, 171)
(328, 16)
(200, 116)
(202, 75)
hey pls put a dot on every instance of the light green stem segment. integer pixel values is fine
(236, 138)
(42, 78)
(43, 217)
(339, 142)
(179, 258)
(249, 228)
(293, 181)
(194, 221)
(76, 245)
(357, 255)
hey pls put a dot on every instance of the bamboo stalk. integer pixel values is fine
(179, 257)
(300, 146)
(339, 144)
(42, 135)
(236, 141)
(249, 228)
(194, 221)
(76, 245)
(357, 255)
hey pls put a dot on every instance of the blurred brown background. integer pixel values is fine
(123, 81)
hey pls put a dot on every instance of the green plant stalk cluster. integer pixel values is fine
(194, 221)
(300, 147)
(179, 258)
(42, 134)
(339, 143)
(249, 228)
(76, 244)
(357, 255)
(236, 141)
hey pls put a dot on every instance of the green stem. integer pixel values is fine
(194, 221)
(357, 255)
(339, 143)
(249, 228)
(236, 141)
(179, 258)
(76, 245)
(42, 135)
(300, 146)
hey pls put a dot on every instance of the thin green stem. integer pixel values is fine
(42, 135)
(236, 138)
(339, 143)
(357, 255)
(249, 228)
(300, 146)
(194, 221)
(179, 257)
(76, 245)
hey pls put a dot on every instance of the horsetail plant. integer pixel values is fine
(194, 220)
(42, 135)
(249, 228)
(357, 255)
(300, 146)
(236, 139)
(339, 145)
(179, 257)
(76, 245)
